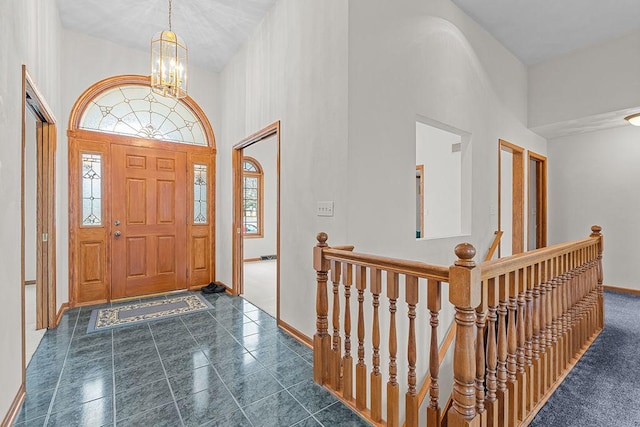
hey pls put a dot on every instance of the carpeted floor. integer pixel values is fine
(604, 387)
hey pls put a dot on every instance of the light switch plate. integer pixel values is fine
(325, 208)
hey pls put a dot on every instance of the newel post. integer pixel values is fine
(465, 291)
(596, 232)
(321, 339)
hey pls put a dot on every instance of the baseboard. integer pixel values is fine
(624, 290)
(14, 409)
(64, 307)
(296, 333)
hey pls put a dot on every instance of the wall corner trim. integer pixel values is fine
(64, 307)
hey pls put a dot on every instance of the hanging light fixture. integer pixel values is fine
(169, 63)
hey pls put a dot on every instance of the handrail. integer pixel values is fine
(494, 245)
(415, 268)
(505, 265)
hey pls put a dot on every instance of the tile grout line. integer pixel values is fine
(113, 377)
(215, 369)
(64, 363)
(166, 377)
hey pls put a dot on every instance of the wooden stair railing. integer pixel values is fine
(334, 359)
(446, 343)
(522, 322)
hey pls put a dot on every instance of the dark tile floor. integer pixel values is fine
(229, 366)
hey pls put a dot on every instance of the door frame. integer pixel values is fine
(541, 197)
(101, 142)
(517, 195)
(46, 140)
(238, 242)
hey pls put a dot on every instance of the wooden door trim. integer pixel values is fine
(46, 133)
(420, 169)
(541, 193)
(77, 136)
(517, 239)
(236, 231)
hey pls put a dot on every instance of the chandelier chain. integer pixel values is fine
(170, 16)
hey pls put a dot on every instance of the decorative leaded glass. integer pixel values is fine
(199, 194)
(136, 111)
(248, 166)
(91, 189)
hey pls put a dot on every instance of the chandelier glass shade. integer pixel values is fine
(169, 57)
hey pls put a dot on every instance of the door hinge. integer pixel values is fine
(45, 237)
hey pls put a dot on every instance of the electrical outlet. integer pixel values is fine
(325, 208)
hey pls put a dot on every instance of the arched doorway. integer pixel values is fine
(141, 193)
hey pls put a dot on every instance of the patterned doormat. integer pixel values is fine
(140, 312)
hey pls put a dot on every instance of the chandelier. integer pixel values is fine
(169, 63)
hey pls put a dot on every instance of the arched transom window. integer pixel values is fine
(252, 203)
(136, 111)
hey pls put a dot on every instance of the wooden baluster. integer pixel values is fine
(544, 355)
(481, 311)
(411, 398)
(549, 325)
(347, 360)
(596, 232)
(562, 340)
(361, 367)
(321, 339)
(376, 377)
(464, 293)
(503, 392)
(554, 318)
(491, 402)
(521, 378)
(529, 337)
(536, 341)
(393, 388)
(336, 344)
(512, 347)
(433, 304)
(565, 310)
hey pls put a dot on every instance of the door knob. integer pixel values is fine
(117, 233)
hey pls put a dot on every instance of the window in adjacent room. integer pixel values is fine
(252, 203)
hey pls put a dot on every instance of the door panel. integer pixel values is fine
(147, 255)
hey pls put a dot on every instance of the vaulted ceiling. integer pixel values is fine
(212, 29)
(538, 30)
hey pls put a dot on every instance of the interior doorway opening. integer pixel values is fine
(537, 219)
(256, 225)
(510, 198)
(38, 230)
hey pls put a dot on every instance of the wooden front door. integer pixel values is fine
(149, 221)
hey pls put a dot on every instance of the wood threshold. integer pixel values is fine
(14, 408)
(64, 307)
(252, 259)
(29, 282)
(559, 380)
(304, 339)
(623, 290)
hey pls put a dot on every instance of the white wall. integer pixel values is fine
(107, 59)
(593, 179)
(506, 203)
(266, 153)
(442, 181)
(30, 31)
(587, 82)
(293, 69)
